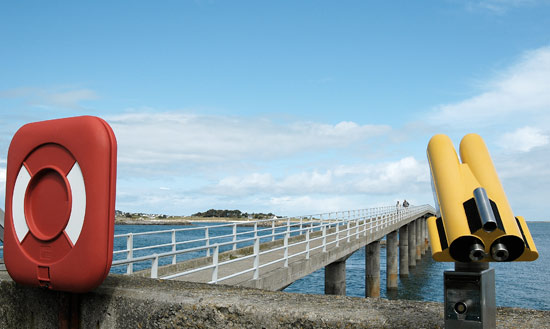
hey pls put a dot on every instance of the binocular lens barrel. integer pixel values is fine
(477, 252)
(499, 252)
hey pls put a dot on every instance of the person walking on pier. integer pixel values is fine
(405, 203)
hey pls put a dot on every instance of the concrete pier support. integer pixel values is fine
(419, 242)
(412, 244)
(403, 251)
(391, 261)
(423, 239)
(335, 278)
(426, 235)
(372, 271)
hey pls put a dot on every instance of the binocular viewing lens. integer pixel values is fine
(477, 252)
(499, 252)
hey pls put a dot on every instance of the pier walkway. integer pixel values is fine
(271, 254)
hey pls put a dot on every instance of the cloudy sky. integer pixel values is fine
(291, 107)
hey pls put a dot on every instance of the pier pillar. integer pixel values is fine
(403, 251)
(391, 260)
(426, 235)
(423, 239)
(335, 278)
(418, 224)
(412, 244)
(372, 271)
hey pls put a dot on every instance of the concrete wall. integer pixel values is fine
(133, 302)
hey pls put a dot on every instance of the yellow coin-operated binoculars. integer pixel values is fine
(474, 225)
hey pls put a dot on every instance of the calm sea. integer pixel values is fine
(518, 284)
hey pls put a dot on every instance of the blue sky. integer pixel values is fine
(291, 107)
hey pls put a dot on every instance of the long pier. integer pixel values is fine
(289, 249)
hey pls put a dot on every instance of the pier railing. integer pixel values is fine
(334, 227)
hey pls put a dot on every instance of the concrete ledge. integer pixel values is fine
(134, 302)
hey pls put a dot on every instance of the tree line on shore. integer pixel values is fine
(233, 214)
(209, 213)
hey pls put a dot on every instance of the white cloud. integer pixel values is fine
(309, 205)
(386, 178)
(65, 98)
(244, 185)
(70, 99)
(502, 6)
(177, 138)
(520, 91)
(524, 139)
(202, 159)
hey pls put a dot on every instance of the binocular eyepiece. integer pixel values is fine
(499, 252)
(477, 252)
(471, 249)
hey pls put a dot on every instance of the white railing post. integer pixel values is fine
(286, 249)
(356, 229)
(130, 248)
(256, 229)
(215, 260)
(155, 267)
(347, 232)
(307, 244)
(301, 223)
(370, 226)
(235, 236)
(324, 238)
(337, 233)
(273, 230)
(288, 224)
(206, 236)
(256, 258)
(174, 246)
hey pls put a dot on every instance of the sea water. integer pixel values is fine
(518, 284)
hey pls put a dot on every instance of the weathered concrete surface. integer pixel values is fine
(134, 302)
(335, 278)
(404, 251)
(372, 270)
(391, 260)
(412, 244)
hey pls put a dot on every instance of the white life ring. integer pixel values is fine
(77, 189)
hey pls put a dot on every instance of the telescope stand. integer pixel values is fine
(470, 296)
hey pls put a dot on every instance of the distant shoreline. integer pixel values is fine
(178, 221)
